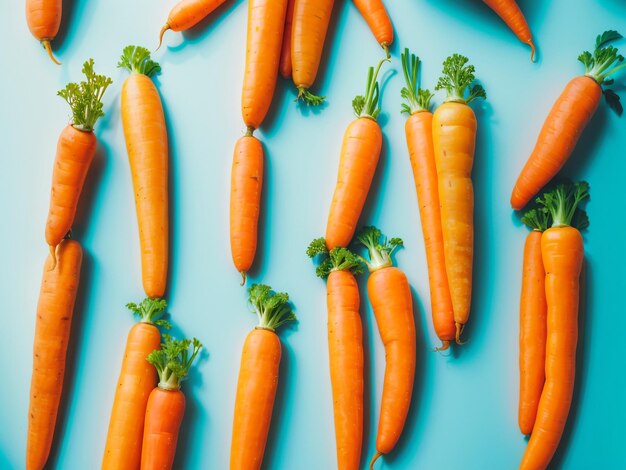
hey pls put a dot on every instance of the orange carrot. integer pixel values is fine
(285, 52)
(52, 334)
(258, 378)
(137, 379)
(419, 139)
(377, 18)
(186, 14)
(511, 14)
(568, 118)
(563, 253)
(44, 19)
(166, 404)
(146, 142)
(454, 138)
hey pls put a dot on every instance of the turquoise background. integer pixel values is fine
(464, 413)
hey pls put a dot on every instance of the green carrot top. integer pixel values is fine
(85, 98)
(416, 99)
(174, 360)
(603, 63)
(136, 59)
(338, 259)
(272, 308)
(537, 219)
(458, 80)
(367, 105)
(150, 311)
(379, 251)
(562, 203)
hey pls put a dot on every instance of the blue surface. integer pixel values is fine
(464, 413)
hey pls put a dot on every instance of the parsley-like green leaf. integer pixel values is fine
(174, 360)
(272, 308)
(136, 59)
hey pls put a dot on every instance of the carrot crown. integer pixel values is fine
(150, 311)
(85, 98)
(562, 203)
(136, 59)
(416, 99)
(537, 219)
(458, 80)
(367, 105)
(272, 308)
(378, 247)
(338, 259)
(603, 63)
(174, 360)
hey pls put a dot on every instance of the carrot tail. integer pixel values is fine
(53, 256)
(243, 278)
(309, 98)
(532, 50)
(445, 344)
(46, 45)
(374, 459)
(385, 47)
(459, 331)
(161, 33)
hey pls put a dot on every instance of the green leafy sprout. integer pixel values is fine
(309, 98)
(605, 61)
(338, 259)
(150, 311)
(416, 99)
(272, 308)
(136, 59)
(174, 360)
(367, 105)
(85, 98)
(537, 219)
(562, 203)
(457, 78)
(379, 248)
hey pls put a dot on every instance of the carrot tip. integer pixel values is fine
(459, 330)
(374, 459)
(46, 45)
(532, 51)
(53, 256)
(385, 47)
(161, 33)
(445, 344)
(243, 278)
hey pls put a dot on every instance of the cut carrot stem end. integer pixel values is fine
(374, 459)
(243, 278)
(163, 29)
(532, 51)
(444, 346)
(46, 45)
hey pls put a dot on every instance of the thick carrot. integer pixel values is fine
(146, 143)
(186, 14)
(137, 379)
(390, 295)
(511, 14)
(52, 334)
(44, 19)
(377, 18)
(75, 151)
(345, 348)
(359, 156)
(532, 334)
(568, 118)
(310, 24)
(166, 404)
(258, 378)
(419, 139)
(454, 138)
(563, 253)
(285, 53)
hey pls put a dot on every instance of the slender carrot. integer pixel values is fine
(285, 52)
(377, 18)
(137, 379)
(52, 334)
(454, 138)
(186, 14)
(511, 14)
(258, 378)
(563, 254)
(44, 19)
(419, 139)
(146, 142)
(568, 118)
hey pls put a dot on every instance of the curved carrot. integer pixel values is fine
(454, 138)
(511, 14)
(146, 141)
(419, 139)
(568, 118)
(258, 378)
(52, 334)
(285, 53)
(186, 14)
(377, 18)
(44, 19)
(137, 379)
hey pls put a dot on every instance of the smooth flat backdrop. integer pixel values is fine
(464, 413)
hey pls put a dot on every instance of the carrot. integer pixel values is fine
(137, 380)
(454, 138)
(568, 118)
(285, 52)
(186, 14)
(258, 378)
(563, 253)
(359, 156)
(75, 151)
(390, 295)
(377, 18)
(44, 19)
(146, 142)
(510, 12)
(52, 334)
(166, 404)
(419, 139)
(345, 347)
(310, 24)
(532, 336)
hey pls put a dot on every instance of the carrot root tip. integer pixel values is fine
(532, 51)
(53, 257)
(374, 459)
(161, 33)
(445, 344)
(459, 330)
(249, 131)
(243, 278)
(46, 45)
(385, 47)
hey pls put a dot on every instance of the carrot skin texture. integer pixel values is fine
(390, 296)
(52, 332)
(419, 139)
(254, 402)
(532, 356)
(377, 18)
(561, 130)
(360, 152)
(164, 415)
(44, 18)
(563, 255)
(511, 14)
(136, 381)
(146, 141)
(345, 345)
(285, 53)
(75, 152)
(187, 13)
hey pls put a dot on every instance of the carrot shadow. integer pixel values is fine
(69, 8)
